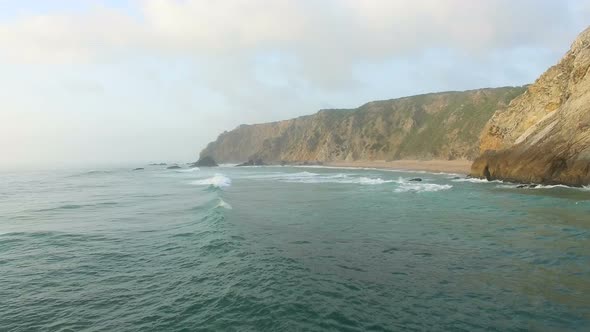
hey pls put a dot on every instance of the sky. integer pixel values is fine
(89, 82)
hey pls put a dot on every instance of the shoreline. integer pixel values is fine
(438, 166)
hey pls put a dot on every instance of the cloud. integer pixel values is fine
(199, 67)
(326, 39)
(344, 29)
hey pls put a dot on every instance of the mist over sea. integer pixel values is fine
(289, 249)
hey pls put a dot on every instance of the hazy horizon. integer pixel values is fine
(130, 82)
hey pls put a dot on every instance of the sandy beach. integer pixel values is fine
(446, 166)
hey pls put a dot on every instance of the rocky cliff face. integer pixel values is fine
(544, 134)
(433, 126)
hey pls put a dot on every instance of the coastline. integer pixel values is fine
(442, 166)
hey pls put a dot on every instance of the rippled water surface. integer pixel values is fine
(282, 249)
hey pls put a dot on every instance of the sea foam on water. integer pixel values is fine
(218, 181)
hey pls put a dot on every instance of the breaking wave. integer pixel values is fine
(217, 181)
(540, 186)
(419, 187)
(476, 180)
(313, 178)
(189, 170)
(223, 204)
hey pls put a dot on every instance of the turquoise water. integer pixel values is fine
(289, 249)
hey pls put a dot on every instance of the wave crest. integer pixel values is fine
(189, 170)
(315, 178)
(307, 177)
(217, 181)
(476, 180)
(223, 205)
(540, 186)
(420, 187)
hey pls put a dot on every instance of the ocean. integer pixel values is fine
(289, 249)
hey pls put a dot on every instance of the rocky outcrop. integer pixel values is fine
(206, 161)
(253, 162)
(443, 125)
(544, 134)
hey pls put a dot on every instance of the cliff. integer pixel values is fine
(544, 134)
(443, 125)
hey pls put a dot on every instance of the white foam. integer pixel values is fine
(370, 181)
(218, 180)
(283, 176)
(299, 175)
(313, 178)
(223, 204)
(507, 186)
(393, 170)
(542, 186)
(194, 169)
(337, 178)
(419, 187)
(475, 180)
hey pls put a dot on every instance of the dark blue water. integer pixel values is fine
(289, 249)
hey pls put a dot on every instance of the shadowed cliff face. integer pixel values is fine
(544, 135)
(434, 126)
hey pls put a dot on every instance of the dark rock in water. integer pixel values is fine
(457, 178)
(173, 167)
(205, 162)
(158, 164)
(138, 169)
(416, 179)
(253, 162)
(526, 186)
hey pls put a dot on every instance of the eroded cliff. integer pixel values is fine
(443, 125)
(544, 134)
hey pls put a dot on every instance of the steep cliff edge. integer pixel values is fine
(443, 125)
(544, 134)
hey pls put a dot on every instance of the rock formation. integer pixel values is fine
(443, 125)
(253, 162)
(544, 134)
(206, 161)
